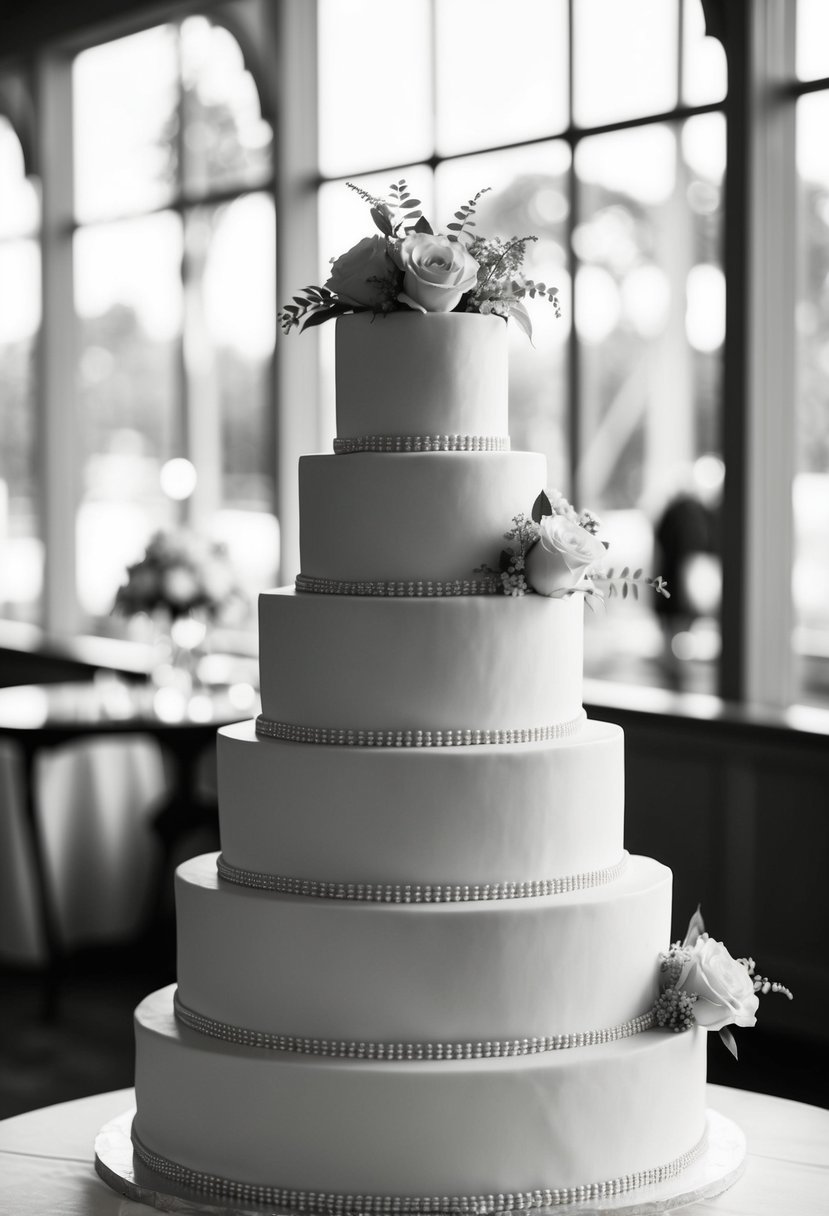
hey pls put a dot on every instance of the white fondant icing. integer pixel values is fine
(469, 662)
(502, 969)
(439, 815)
(427, 515)
(415, 1128)
(409, 374)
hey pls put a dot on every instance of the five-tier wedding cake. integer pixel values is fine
(421, 974)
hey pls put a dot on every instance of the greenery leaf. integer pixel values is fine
(322, 314)
(522, 319)
(729, 1040)
(382, 221)
(541, 507)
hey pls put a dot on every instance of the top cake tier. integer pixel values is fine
(413, 375)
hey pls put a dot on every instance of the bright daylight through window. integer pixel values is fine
(606, 138)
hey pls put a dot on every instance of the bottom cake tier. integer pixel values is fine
(313, 1133)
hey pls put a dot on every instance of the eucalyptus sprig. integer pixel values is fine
(628, 582)
(399, 212)
(463, 216)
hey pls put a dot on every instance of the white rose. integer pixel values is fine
(723, 987)
(358, 276)
(436, 271)
(564, 553)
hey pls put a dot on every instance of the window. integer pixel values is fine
(810, 574)
(21, 554)
(159, 251)
(606, 139)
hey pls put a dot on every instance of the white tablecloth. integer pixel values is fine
(46, 1159)
(95, 800)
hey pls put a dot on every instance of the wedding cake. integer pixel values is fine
(423, 974)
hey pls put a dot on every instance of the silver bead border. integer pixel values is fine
(409, 588)
(419, 893)
(322, 1203)
(421, 443)
(289, 732)
(344, 1049)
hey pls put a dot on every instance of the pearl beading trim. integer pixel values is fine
(289, 732)
(414, 587)
(326, 1203)
(422, 443)
(419, 893)
(490, 1049)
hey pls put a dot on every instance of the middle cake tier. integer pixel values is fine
(425, 515)
(578, 963)
(475, 669)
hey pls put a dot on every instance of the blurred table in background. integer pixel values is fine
(89, 772)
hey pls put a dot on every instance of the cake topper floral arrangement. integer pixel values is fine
(701, 984)
(410, 266)
(557, 553)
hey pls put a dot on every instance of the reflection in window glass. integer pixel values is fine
(229, 338)
(125, 97)
(704, 69)
(528, 195)
(649, 303)
(375, 73)
(811, 482)
(812, 46)
(128, 300)
(226, 141)
(529, 97)
(625, 58)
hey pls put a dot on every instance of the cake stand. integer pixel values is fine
(713, 1172)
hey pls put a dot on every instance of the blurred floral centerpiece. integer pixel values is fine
(411, 267)
(182, 574)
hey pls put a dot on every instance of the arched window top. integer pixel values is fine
(199, 133)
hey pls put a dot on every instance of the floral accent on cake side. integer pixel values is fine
(557, 553)
(700, 984)
(411, 267)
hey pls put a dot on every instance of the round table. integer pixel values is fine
(40, 717)
(46, 1159)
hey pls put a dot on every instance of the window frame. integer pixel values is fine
(56, 396)
(758, 357)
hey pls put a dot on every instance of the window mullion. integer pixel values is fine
(297, 362)
(769, 676)
(58, 430)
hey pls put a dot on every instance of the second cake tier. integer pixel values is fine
(427, 516)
